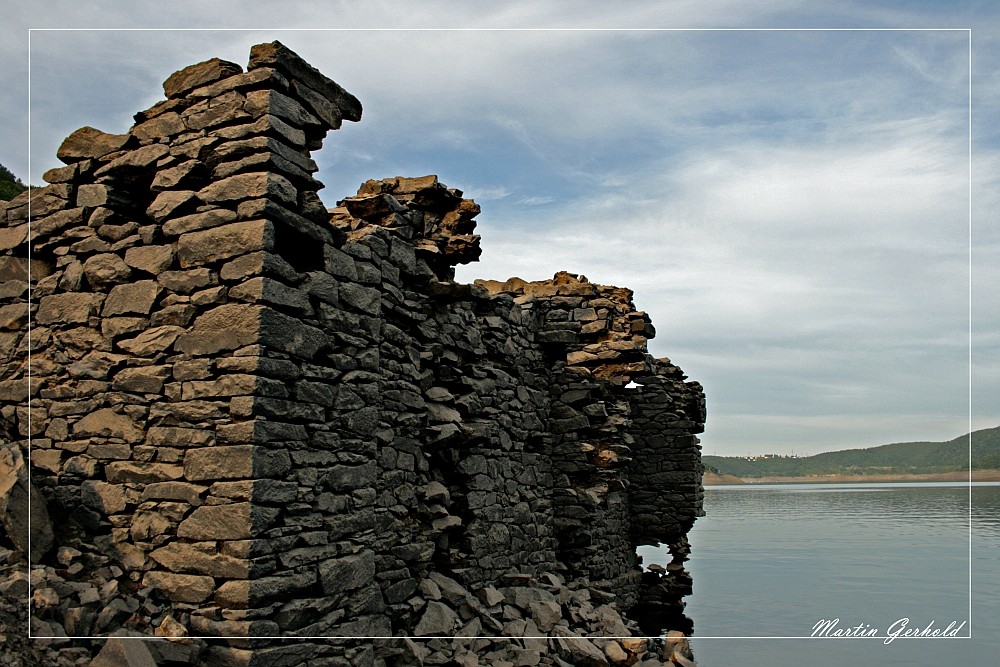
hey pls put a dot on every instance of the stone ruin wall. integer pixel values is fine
(266, 418)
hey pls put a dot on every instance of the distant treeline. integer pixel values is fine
(901, 458)
(10, 185)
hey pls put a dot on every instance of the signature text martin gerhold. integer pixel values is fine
(899, 629)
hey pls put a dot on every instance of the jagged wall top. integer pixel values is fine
(199, 98)
(437, 220)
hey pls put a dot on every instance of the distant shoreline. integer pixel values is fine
(712, 479)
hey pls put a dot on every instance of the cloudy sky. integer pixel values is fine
(792, 207)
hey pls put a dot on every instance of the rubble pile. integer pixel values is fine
(258, 424)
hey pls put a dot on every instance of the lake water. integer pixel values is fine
(771, 561)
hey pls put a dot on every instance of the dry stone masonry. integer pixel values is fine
(255, 418)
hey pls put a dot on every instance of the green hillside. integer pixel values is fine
(901, 458)
(10, 185)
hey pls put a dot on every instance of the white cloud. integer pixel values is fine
(487, 193)
(536, 200)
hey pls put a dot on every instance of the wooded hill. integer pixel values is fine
(10, 185)
(900, 458)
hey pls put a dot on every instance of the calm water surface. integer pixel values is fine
(773, 560)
